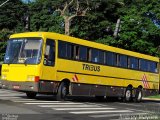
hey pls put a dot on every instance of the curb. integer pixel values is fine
(152, 99)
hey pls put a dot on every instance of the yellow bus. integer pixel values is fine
(51, 63)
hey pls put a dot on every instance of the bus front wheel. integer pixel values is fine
(31, 94)
(62, 91)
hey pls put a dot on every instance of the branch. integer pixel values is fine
(59, 10)
(78, 11)
(4, 3)
(70, 2)
(83, 12)
(66, 6)
(62, 13)
(77, 7)
(72, 16)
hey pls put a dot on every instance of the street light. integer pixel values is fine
(4, 3)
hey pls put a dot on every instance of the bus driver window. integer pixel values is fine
(49, 56)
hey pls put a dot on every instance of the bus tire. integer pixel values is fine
(62, 91)
(99, 98)
(128, 95)
(138, 95)
(31, 94)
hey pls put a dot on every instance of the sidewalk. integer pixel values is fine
(152, 99)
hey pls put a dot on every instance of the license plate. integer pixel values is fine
(16, 87)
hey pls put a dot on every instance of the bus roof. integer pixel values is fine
(100, 46)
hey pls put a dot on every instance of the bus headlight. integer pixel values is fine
(4, 77)
(32, 78)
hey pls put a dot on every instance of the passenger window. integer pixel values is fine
(133, 63)
(94, 56)
(122, 61)
(49, 58)
(76, 52)
(153, 67)
(62, 48)
(111, 59)
(83, 53)
(89, 54)
(101, 57)
(69, 51)
(144, 65)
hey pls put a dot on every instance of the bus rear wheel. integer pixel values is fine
(128, 95)
(138, 95)
(99, 98)
(63, 91)
(31, 94)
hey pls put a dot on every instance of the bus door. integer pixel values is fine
(48, 68)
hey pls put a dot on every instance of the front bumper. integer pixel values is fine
(19, 86)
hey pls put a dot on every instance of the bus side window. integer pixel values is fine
(101, 57)
(76, 52)
(111, 59)
(62, 48)
(69, 51)
(133, 63)
(89, 54)
(153, 67)
(49, 57)
(83, 53)
(144, 65)
(94, 56)
(122, 61)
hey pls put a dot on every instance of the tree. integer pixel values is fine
(71, 9)
(11, 21)
(44, 18)
(138, 32)
(99, 23)
(139, 25)
(10, 16)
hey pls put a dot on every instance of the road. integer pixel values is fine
(16, 106)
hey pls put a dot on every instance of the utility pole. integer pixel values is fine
(27, 19)
(117, 28)
(4, 3)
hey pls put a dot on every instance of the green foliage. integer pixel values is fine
(137, 31)
(99, 21)
(5, 33)
(44, 18)
(11, 15)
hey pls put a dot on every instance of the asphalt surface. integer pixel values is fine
(16, 106)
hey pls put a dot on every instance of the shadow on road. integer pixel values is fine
(76, 98)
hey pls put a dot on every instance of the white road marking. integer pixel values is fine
(67, 106)
(114, 115)
(84, 108)
(130, 104)
(93, 112)
(23, 99)
(9, 95)
(40, 103)
(35, 101)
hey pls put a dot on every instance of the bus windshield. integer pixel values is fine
(23, 51)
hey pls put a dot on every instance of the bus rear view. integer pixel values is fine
(21, 67)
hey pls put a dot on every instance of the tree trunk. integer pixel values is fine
(67, 25)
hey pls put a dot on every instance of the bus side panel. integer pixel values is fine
(109, 81)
